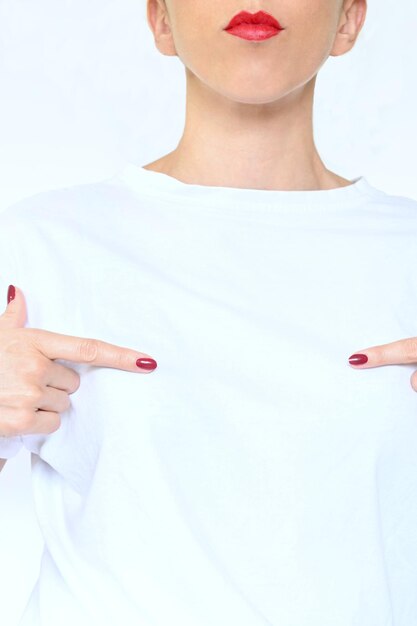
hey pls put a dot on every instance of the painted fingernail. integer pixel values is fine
(358, 359)
(11, 293)
(146, 364)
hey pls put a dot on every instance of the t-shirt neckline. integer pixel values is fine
(172, 189)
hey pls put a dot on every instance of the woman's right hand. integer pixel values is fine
(33, 388)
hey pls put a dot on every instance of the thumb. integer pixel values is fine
(15, 315)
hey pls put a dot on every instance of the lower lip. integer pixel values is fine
(254, 32)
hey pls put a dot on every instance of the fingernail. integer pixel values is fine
(358, 359)
(11, 292)
(146, 364)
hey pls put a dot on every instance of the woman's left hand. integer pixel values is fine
(399, 352)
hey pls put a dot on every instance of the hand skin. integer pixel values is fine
(34, 389)
(401, 352)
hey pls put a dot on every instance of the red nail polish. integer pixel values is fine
(358, 359)
(146, 364)
(11, 292)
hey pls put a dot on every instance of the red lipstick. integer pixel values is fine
(253, 26)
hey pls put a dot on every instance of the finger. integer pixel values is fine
(16, 422)
(54, 400)
(62, 377)
(15, 314)
(398, 352)
(45, 423)
(413, 380)
(91, 351)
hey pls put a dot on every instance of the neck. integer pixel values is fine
(248, 145)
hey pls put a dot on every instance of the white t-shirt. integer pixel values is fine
(254, 478)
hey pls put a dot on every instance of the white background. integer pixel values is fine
(83, 90)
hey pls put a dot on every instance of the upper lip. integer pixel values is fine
(253, 18)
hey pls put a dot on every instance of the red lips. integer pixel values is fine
(254, 18)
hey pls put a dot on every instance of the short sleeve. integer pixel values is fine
(9, 446)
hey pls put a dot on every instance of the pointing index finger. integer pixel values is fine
(91, 351)
(399, 352)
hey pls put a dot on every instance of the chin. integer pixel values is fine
(254, 95)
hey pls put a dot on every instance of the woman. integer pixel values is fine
(255, 478)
